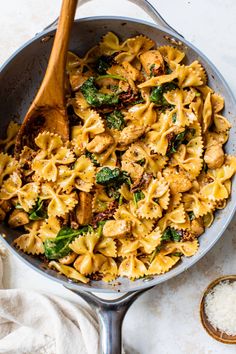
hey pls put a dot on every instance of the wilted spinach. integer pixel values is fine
(170, 234)
(96, 98)
(59, 247)
(115, 120)
(39, 212)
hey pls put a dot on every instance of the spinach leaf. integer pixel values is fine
(138, 196)
(174, 118)
(115, 120)
(141, 162)
(158, 92)
(38, 213)
(191, 215)
(181, 138)
(112, 177)
(92, 157)
(154, 253)
(59, 247)
(96, 98)
(170, 234)
(102, 64)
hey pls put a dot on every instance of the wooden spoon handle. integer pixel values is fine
(52, 90)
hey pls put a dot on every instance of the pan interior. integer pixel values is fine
(20, 79)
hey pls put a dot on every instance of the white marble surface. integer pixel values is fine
(164, 320)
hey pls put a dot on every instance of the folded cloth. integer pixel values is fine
(37, 323)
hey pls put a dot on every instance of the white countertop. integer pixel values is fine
(164, 320)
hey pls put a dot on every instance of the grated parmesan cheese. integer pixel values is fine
(220, 307)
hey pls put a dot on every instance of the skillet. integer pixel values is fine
(20, 78)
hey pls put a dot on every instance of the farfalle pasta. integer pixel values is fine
(140, 178)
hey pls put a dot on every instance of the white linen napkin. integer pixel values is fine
(37, 323)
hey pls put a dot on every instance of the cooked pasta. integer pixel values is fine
(142, 175)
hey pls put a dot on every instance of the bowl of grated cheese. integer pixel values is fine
(218, 309)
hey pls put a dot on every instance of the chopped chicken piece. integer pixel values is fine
(214, 156)
(18, 218)
(134, 169)
(178, 181)
(84, 209)
(130, 134)
(197, 226)
(117, 228)
(152, 62)
(100, 143)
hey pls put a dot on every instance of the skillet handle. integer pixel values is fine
(110, 316)
(143, 4)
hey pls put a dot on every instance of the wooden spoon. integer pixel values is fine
(48, 110)
(215, 333)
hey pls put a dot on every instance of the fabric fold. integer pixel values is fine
(33, 322)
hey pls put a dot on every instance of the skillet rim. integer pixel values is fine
(157, 279)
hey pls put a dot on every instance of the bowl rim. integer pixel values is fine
(218, 335)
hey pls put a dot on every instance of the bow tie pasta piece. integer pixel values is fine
(110, 44)
(147, 244)
(27, 195)
(216, 189)
(162, 263)
(188, 157)
(133, 48)
(175, 200)
(101, 201)
(153, 163)
(107, 247)
(217, 102)
(221, 123)
(158, 137)
(68, 271)
(59, 203)
(207, 113)
(158, 80)
(171, 54)
(175, 218)
(109, 270)
(10, 139)
(187, 76)
(52, 154)
(187, 248)
(49, 228)
(30, 242)
(156, 199)
(92, 125)
(82, 176)
(199, 70)
(132, 268)
(88, 261)
(79, 69)
(180, 99)
(197, 107)
(139, 227)
(8, 165)
(142, 114)
(197, 203)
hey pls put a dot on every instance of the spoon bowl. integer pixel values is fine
(215, 333)
(48, 109)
